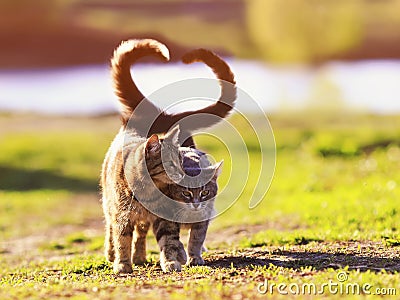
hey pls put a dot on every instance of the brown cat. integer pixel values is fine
(124, 215)
(135, 167)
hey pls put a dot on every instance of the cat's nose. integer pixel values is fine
(196, 205)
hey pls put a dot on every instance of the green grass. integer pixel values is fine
(332, 207)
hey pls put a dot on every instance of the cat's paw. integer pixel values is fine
(195, 261)
(122, 268)
(171, 266)
(181, 257)
(139, 260)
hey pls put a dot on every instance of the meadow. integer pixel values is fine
(331, 214)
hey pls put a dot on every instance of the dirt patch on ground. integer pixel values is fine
(360, 255)
(95, 227)
(225, 249)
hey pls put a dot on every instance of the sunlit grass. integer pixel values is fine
(336, 181)
(63, 153)
(35, 212)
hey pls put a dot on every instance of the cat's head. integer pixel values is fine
(162, 157)
(198, 189)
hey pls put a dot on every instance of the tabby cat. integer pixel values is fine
(139, 170)
(197, 191)
(136, 168)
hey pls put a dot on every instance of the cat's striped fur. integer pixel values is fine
(124, 177)
(130, 168)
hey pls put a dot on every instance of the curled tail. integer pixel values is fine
(126, 54)
(220, 109)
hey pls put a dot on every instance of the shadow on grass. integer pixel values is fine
(18, 179)
(298, 260)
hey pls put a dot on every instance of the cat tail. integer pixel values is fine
(125, 55)
(213, 113)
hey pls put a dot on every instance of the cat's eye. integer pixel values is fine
(204, 193)
(187, 193)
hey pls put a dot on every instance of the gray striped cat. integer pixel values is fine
(197, 192)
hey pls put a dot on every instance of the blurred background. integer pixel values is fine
(289, 55)
(326, 73)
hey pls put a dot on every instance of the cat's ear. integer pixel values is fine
(172, 136)
(153, 145)
(218, 169)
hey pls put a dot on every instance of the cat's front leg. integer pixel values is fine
(197, 235)
(122, 238)
(172, 252)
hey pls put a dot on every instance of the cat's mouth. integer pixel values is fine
(195, 207)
